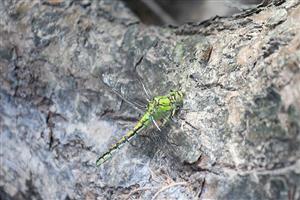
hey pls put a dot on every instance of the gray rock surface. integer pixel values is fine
(237, 136)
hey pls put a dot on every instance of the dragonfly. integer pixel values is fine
(159, 109)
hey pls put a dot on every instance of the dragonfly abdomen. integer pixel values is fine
(106, 156)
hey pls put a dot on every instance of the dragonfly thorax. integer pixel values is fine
(162, 105)
(176, 97)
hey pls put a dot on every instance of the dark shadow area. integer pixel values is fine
(178, 12)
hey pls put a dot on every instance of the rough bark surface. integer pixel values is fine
(237, 136)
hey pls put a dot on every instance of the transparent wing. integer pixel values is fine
(171, 141)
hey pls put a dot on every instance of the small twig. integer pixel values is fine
(188, 123)
(154, 176)
(167, 187)
(202, 189)
(140, 189)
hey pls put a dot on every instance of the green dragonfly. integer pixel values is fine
(159, 110)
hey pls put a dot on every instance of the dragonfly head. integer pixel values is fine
(177, 97)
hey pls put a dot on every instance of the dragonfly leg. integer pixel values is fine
(153, 120)
(166, 118)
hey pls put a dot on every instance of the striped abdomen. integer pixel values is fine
(144, 122)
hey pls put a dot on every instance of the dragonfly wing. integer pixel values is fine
(146, 90)
(134, 105)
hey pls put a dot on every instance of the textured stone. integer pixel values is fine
(237, 136)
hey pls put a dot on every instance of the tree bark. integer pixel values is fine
(62, 64)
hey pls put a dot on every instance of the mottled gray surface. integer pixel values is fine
(237, 137)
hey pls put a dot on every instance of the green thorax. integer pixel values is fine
(162, 107)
